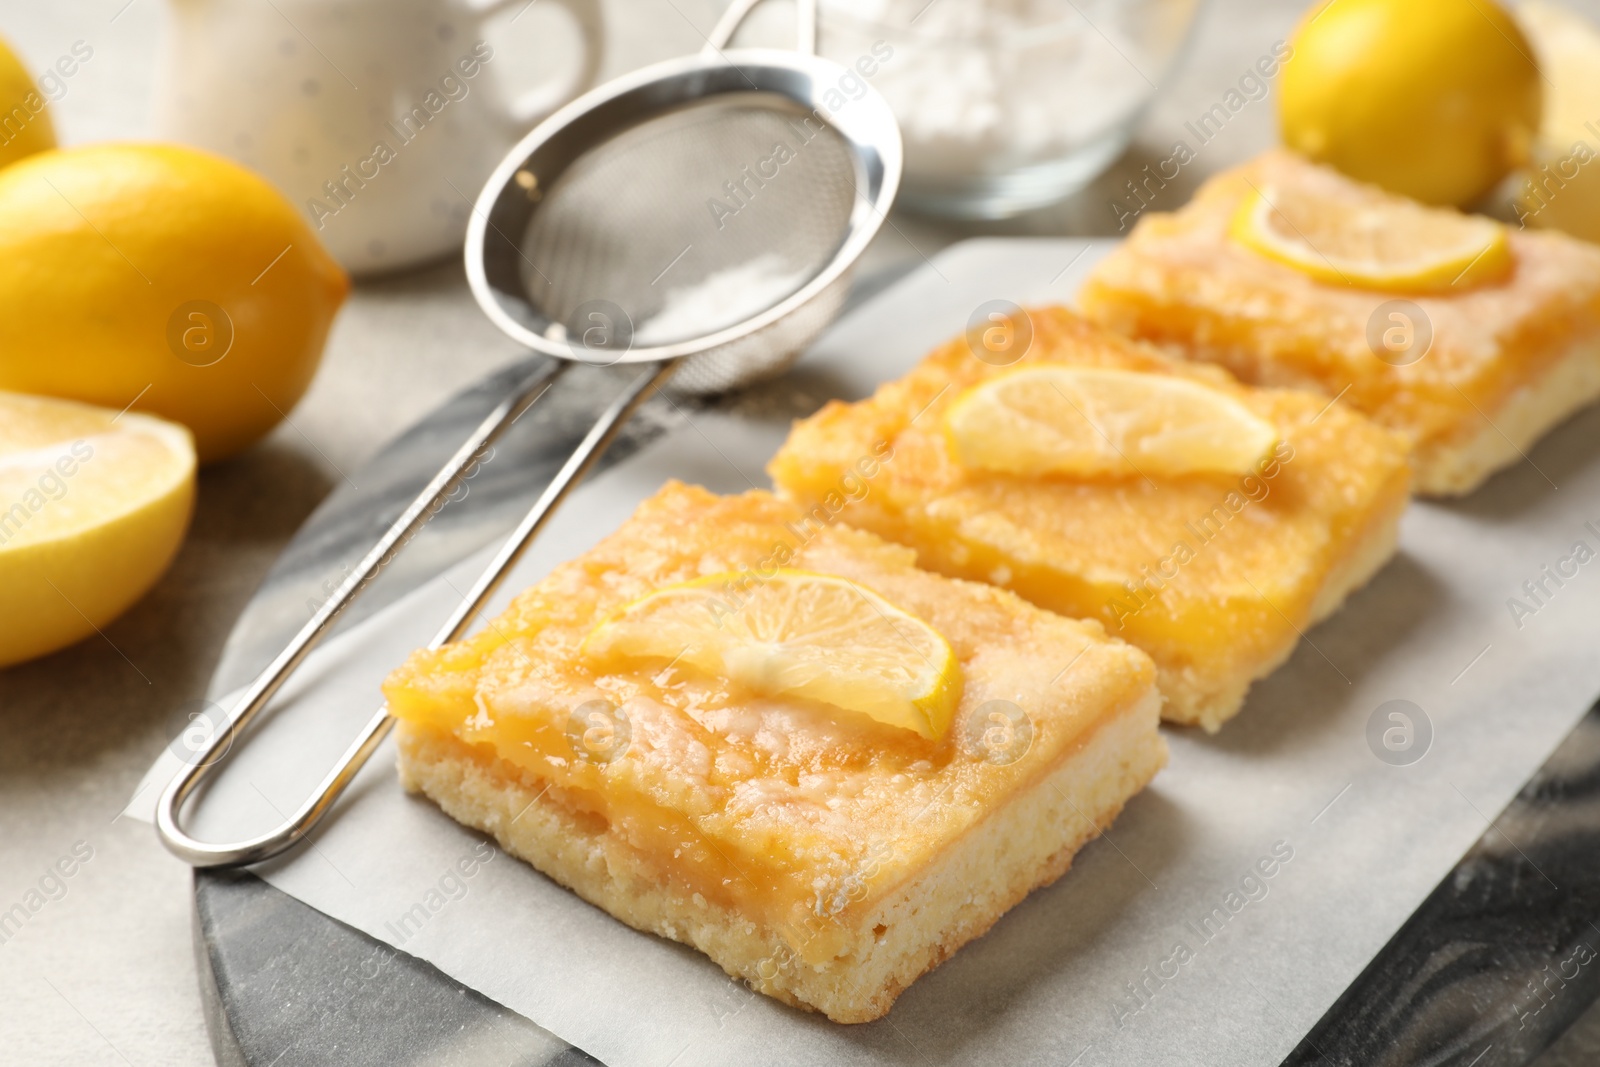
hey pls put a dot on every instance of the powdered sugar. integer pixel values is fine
(721, 299)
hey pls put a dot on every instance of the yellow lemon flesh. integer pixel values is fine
(163, 277)
(1435, 99)
(1091, 421)
(1369, 239)
(796, 634)
(1562, 189)
(25, 126)
(93, 506)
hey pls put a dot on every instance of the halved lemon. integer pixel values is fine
(93, 506)
(1103, 421)
(795, 634)
(1369, 239)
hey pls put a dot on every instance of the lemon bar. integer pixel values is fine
(1472, 372)
(1214, 575)
(825, 857)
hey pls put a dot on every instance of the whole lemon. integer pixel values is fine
(162, 277)
(1562, 187)
(1434, 99)
(25, 126)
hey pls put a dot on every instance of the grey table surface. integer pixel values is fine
(104, 973)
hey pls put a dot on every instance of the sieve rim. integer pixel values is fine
(869, 112)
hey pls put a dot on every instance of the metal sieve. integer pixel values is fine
(700, 217)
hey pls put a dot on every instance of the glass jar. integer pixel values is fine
(1007, 105)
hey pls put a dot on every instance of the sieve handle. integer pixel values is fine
(523, 395)
(199, 853)
(739, 10)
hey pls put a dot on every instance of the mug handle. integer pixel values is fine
(533, 106)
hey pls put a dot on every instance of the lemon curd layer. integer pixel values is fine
(777, 810)
(1213, 575)
(1471, 375)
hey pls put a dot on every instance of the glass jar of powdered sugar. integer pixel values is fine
(1007, 105)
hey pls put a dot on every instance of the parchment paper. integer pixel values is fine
(1167, 943)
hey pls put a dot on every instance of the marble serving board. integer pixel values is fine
(1463, 981)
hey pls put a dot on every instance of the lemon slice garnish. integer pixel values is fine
(93, 506)
(795, 634)
(1372, 240)
(1102, 421)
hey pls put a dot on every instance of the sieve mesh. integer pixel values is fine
(692, 221)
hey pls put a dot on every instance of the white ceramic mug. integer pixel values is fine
(378, 118)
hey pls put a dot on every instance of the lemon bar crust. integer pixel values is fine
(972, 882)
(1508, 360)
